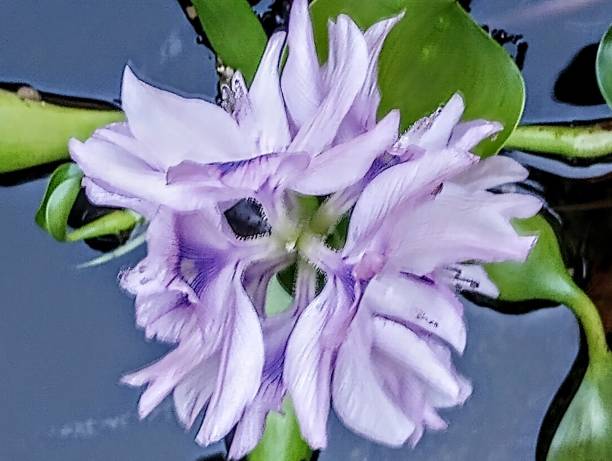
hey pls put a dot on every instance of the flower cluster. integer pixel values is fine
(373, 321)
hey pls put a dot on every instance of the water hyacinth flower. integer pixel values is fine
(375, 341)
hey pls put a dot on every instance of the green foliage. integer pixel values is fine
(62, 190)
(35, 132)
(435, 51)
(235, 33)
(585, 432)
(604, 66)
(281, 440)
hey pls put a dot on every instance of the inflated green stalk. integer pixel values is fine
(580, 142)
(36, 132)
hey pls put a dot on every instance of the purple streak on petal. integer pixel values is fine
(346, 164)
(257, 278)
(301, 81)
(346, 79)
(270, 396)
(242, 360)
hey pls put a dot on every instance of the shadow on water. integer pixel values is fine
(577, 83)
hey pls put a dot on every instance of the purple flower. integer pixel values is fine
(376, 341)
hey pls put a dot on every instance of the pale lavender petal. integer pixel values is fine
(410, 351)
(405, 182)
(195, 390)
(491, 172)
(345, 164)
(469, 277)
(267, 120)
(301, 81)
(101, 197)
(308, 364)
(364, 110)
(346, 80)
(359, 398)
(460, 226)
(174, 128)
(442, 124)
(129, 176)
(241, 366)
(165, 374)
(468, 135)
(419, 304)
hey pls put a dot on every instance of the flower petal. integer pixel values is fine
(459, 226)
(308, 365)
(468, 135)
(174, 128)
(267, 118)
(418, 304)
(345, 164)
(359, 398)
(405, 182)
(242, 359)
(346, 79)
(491, 172)
(413, 353)
(301, 81)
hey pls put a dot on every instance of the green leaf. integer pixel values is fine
(35, 132)
(585, 432)
(112, 223)
(62, 190)
(433, 52)
(604, 66)
(235, 33)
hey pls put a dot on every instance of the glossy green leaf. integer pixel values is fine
(61, 193)
(436, 50)
(585, 432)
(234, 32)
(604, 66)
(112, 223)
(35, 132)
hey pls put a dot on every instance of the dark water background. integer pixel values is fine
(66, 335)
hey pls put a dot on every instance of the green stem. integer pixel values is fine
(584, 142)
(111, 224)
(589, 317)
